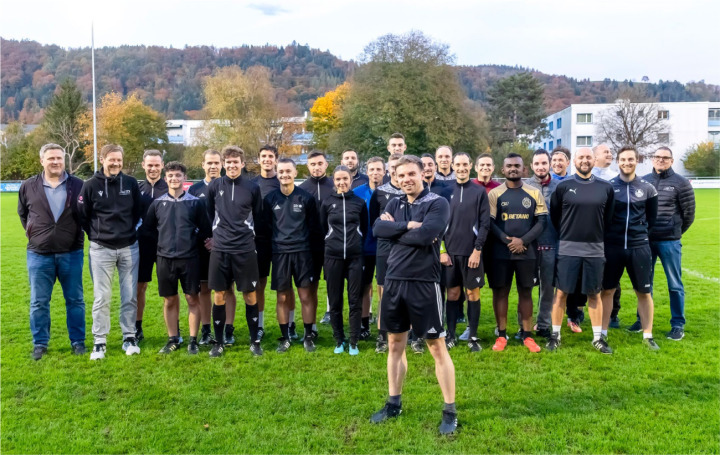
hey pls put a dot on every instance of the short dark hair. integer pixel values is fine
(269, 148)
(286, 161)
(463, 154)
(483, 155)
(563, 150)
(350, 150)
(111, 148)
(341, 168)
(667, 149)
(316, 153)
(152, 152)
(175, 166)
(542, 152)
(211, 152)
(233, 151)
(427, 155)
(626, 148)
(397, 136)
(512, 155)
(409, 159)
(396, 156)
(375, 159)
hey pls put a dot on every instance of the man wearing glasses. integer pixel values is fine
(676, 212)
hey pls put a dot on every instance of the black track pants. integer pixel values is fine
(336, 272)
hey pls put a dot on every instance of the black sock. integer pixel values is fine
(308, 329)
(383, 335)
(206, 328)
(229, 330)
(218, 313)
(365, 323)
(502, 333)
(395, 399)
(285, 331)
(193, 339)
(253, 317)
(138, 324)
(450, 407)
(524, 334)
(452, 310)
(173, 339)
(178, 327)
(473, 312)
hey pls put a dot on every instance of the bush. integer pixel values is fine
(703, 160)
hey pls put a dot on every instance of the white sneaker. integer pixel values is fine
(98, 352)
(130, 346)
(465, 335)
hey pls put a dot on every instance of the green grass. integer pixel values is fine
(572, 401)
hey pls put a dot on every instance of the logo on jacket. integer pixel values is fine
(164, 203)
(334, 205)
(639, 193)
(202, 195)
(526, 202)
(387, 196)
(222, 192)
(572, 190)
(297, 208)
(669, 188)
(100, 193)
(142, 192)
(277, 207)
(504, 204)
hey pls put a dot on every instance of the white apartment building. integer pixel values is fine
(689, 124)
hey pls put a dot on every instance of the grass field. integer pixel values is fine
(571, 401)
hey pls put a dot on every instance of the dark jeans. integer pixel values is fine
(670, 254)
(43, 270)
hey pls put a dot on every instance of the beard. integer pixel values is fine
(514, 179)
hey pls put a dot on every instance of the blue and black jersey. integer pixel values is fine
(636, 207)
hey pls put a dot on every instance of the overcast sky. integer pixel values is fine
(618, 39)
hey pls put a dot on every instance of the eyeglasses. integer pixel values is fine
(662, 158)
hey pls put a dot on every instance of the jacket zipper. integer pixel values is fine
(461, 193)
(318, 182)
(232, 196)
(344, 230)
(627, 219)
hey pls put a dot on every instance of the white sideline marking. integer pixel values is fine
(700, 275)
(707, 219)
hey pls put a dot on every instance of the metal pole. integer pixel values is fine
(92, 40)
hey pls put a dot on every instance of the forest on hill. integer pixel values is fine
(170, 79)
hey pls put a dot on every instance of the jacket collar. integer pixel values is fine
(664, 174)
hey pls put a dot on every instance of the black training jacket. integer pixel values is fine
(469, 219)
(636, 205)
(319, 188)
(267, 185)
(344, 221)
(148, 193)
(45, 236)
(441, 188)
(676, 205)
(110, 209)
(234, 205)
(294, 220)
(179, 224)
(381, 197)
(414, 253)
(200, 189)
(359, 179)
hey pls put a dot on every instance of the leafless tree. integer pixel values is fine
(642, 125)
(69, 136)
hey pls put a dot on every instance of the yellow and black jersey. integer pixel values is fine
(516, 212)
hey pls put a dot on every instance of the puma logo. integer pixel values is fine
(573, 190)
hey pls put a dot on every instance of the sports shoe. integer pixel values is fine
(326, 318)
(39, 352)
(602, 346)
(78, 348)
(553, 343)
(229, 338)
(531, 344)
(450, 342)
(614, 322)
(98, 352)
(465, 335)
(372, 319)
(544, 333)
(256, 349)
(364, 335)
(500, 344)
(217, 350)
(170, 347)
(283, 345)
(292, 333)
(573, 326)
(389, 411)
(449, 423)
(261, 333)
(651, 344)
(181, 340)
(381, 346)
(675, 334)
(636, 327)
(474, 345)
(309, 343)
(353, 350)
(315, 335)
(417, 346)
(206, 338)
(130, 346)
(139, 335)
(339, 348)
(461, 320)
(518, 334)
(193, 347)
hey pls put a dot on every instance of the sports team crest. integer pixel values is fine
(526, 202)
(639, 192)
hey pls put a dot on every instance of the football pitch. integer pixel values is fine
(572, 401)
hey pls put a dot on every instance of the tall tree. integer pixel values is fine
(66, 123)
(640, 124)
(703, 160)
(516, 108)
(325, 115)
(19, 157)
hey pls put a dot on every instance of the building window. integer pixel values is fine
(584, 141)
(714, 137)
(550, 144)
(664, 138)
(584, 118)
(559, 123)
(559, 141)
(550, 125)
(545, 145)
(663, 115)
(714, 114)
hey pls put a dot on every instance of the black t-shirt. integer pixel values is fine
(294, 219)
(515, 212)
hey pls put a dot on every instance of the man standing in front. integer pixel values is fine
(109, 205)
(47, 205)
(413, 224)
(444, 159)
(581, 210)
(676, 213)
(351, 160)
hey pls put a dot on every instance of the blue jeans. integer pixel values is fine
(43, 270)
(670, 254)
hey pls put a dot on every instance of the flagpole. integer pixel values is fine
(92, 40)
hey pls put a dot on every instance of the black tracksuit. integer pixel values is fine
(344, 220)
(179, 224)
(148, 193)
(266, 184)
(234, 206)
(320, 188)
(636, 207)
(469, 219)
(110, 209)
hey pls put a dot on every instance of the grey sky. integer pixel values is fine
(619, 39)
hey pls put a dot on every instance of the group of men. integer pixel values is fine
(433, 234)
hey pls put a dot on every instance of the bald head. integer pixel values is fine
(603, 156)
(584, 160)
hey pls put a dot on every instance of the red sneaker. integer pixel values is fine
(531, 345)
(500, 344)
(574, 327)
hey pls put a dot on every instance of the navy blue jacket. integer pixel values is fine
(636, 204)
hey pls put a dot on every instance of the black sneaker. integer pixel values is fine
(449, 423)
(256, 349)
(139, 335)
(461, 320)
(651, 344)
(261, 333)
(78, 348)
(309, 343)
(614, 322)
(417, 346)
(217, 350)
(602, 346)
(170, 347)
(474, 345)
(193, 347)
(389, 411)
(315, 335)
(450, 342)
(39, 352)
(206, 338)
(553, 342)
(326, 318)
(283, 345)
(292, 333)
(229, 338)
(518, 335)
(381, 346)
(544, 333)
(675, 334)
(636, 327)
